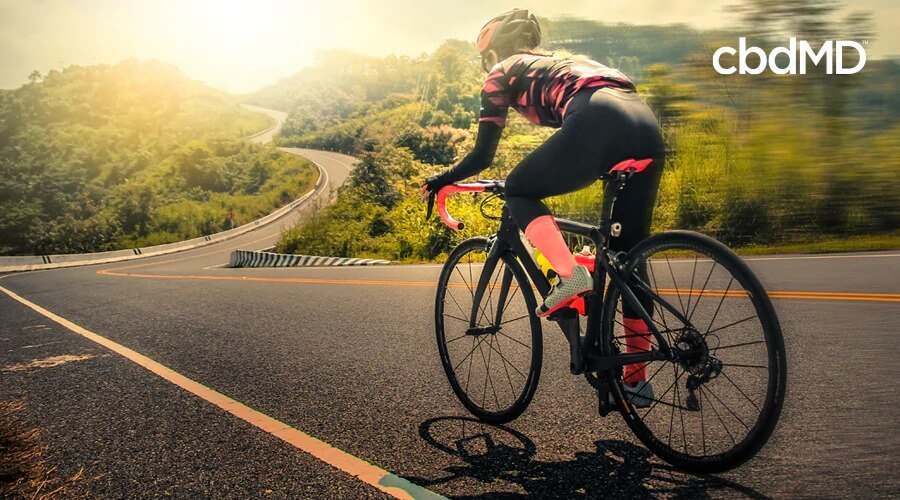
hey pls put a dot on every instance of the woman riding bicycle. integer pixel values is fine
(601, 121)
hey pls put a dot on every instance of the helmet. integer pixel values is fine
(509, 31)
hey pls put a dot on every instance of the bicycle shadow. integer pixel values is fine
(615, 469)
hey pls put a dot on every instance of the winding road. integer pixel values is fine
(174, 376)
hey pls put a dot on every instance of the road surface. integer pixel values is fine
(268, 135)
(347, 355)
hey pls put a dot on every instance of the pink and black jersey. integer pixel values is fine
(539, 87)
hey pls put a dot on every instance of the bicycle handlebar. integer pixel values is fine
(617, 174)
(441, 201)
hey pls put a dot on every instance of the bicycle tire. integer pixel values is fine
(775, 388)
(503, 413)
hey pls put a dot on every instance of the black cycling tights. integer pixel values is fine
(602, 127)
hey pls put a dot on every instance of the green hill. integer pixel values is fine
(105, 157)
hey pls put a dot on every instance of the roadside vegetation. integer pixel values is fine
(762, 162)
(104, 157)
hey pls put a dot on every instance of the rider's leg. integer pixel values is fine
(563, 164)
(571, 159)
(634, 210)
(531, 181)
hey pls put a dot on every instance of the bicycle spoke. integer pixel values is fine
(491, 286)
(672, 411)
(632, 335)
(733, 414)
(660, 399)
(486, 372)
(452, 297)
(474, 346)
(469, 371)
(662, 310)
(702, 395)
(703, 289)
(490, 379)
(500, 353)
(510, 294)
(514, 340)
(738, 365)
(731, 324)
(738, 345)
(740, 390)
(520, 318)
(456, 318)
(472, 293)
(691, 289)
(674, 282)
(456, 338)
(512, 390)
(681, 414)
(721, 301)
(702, 424)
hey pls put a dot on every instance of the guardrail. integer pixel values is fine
(39, 262)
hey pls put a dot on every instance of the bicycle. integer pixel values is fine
(695, 360)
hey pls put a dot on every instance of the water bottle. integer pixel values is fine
(586, 258)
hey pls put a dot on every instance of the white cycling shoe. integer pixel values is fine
(639, 395)
(566, 291)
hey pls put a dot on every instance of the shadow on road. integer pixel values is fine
(493, 454)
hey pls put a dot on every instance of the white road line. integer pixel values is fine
(367, 472)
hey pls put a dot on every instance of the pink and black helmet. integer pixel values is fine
(509, 31)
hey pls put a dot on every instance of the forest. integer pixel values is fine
(105, 157)
(758, 161)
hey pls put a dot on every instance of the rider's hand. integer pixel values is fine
(432, 185)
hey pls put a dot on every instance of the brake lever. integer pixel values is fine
(430, 206)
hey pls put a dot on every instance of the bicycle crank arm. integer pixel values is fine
(598, 363)
(568, 322)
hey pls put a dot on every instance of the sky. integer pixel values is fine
(241, 46)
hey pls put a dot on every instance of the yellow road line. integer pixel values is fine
(798, 295)
(370, 474)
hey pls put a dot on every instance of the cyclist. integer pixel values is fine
(601, 121)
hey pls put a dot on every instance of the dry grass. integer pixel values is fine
(24, 472)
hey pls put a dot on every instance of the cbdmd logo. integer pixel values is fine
(800, 55)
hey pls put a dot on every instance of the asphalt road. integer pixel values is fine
(348, 356)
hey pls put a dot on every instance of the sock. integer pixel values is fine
(639, 343)
(544, 234)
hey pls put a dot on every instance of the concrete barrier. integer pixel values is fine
(247, 258)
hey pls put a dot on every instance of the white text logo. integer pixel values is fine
(800, 55)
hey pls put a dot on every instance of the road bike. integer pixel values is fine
(716, 361)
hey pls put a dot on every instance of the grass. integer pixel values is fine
(865, 243)
(24, 472)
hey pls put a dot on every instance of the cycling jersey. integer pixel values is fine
(539, 87)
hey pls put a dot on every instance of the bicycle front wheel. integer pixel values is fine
(490, 350)
(716, 404)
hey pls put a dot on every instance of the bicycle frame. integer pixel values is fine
(586, 352)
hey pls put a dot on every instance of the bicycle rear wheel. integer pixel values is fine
(717, 405)
(491, 352)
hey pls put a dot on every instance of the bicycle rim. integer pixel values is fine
(492, 353)
(715, 408)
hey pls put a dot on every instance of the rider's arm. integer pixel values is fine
(494, 110)
(481, 155)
